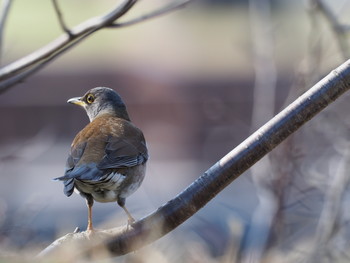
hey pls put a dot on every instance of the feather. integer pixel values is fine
(68, 187)
(122, 153)
(83, 172)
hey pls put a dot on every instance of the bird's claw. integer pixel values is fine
(131, 220)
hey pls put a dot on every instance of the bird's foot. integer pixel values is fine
(131, 220)
(91, 232)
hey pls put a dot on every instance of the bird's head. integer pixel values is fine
(101, 100)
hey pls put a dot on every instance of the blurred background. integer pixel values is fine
(197, 81)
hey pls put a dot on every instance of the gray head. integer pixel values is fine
(101, 100)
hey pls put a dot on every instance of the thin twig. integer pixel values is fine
(215, 179)
(60, 18)
(163, 11)
(327, 223)
(313, 61)
(339, 29)
(253, 246)
(332, 17)
(6, 4)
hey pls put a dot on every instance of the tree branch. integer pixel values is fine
(331, 16)
(327, 223)
(60, 18)
(19, 70)
(12, 73)
(169, 216)
(253, 246)
(339, 29)
(167, 9)
(6, 4)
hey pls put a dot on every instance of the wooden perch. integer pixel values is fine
(166, 218)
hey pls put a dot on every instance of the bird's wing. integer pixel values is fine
(124, 152)
(68, 187)
(76, 152)
(118, 153)
(73, 158)
(74, 169)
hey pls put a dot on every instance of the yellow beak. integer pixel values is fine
(76, 101)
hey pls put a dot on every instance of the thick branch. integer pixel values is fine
(200, 192)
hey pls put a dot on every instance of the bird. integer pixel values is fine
(107, 158)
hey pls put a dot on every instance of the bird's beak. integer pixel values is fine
(77, 101)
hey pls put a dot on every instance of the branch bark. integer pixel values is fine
(169, 216)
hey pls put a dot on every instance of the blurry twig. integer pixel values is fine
(314, 53)
(327, 224)
(264, 65)
(167, 9)
(169, 216)
(263, 109)
(6, 4)
(339, 29)
(19, 70)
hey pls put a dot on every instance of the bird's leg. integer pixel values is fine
(89, 203)
(121, 203)
(130, 218)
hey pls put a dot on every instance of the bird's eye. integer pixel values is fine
(90, 98)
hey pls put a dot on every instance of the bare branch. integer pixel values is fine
(60, 17)
(22, 68)
(6, 4)
(331, 16)
(19, 70)
(339, 29)
(253, 246)
(154, 14)
(215, 179)
(327, 223)
(8, 83)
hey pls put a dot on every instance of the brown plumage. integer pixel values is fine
(108, 157)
